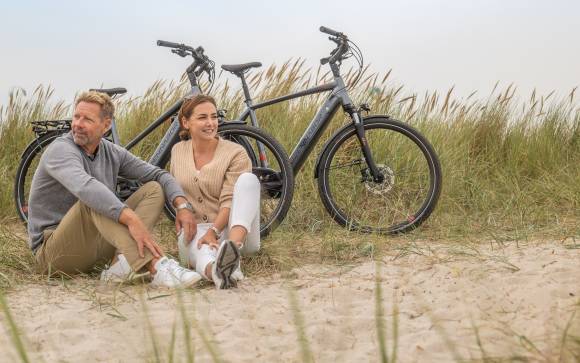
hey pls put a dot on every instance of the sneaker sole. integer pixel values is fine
(226, 263)
(130, 278)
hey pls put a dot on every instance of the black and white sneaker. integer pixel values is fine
(227, 261)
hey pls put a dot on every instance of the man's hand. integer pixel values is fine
(209, 238)
(185, 220)
(140, 234)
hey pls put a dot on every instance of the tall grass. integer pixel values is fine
(14, 331)
(510, 164)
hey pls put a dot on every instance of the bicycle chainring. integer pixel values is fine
(270, 181)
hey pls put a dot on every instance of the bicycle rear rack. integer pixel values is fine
(41, 128)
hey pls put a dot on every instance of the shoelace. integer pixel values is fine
(175, 269)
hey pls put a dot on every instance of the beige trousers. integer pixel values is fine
(85, 238)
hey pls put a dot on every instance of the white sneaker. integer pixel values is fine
(120, 271)
(226, 262)
(238, 275)
(170, 274)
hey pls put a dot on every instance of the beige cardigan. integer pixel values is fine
(212, 187)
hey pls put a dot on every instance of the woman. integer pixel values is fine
(215, 174)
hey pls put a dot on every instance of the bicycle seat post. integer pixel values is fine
(247, 96)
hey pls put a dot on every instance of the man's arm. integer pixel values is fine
(64, 163)
(134, 168)
(140, 233)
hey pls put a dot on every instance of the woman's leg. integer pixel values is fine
(197, 258)
(244, 221)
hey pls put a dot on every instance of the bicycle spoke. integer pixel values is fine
(359, 200)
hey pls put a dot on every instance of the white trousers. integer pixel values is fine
(245, 212)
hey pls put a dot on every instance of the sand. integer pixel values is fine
(518, 299)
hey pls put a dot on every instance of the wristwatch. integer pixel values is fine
(216, 231)
(185, 205)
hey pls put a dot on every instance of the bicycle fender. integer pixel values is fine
(335, 135)
(34, 142)
(231, 122)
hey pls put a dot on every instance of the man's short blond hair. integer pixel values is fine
(103, 99)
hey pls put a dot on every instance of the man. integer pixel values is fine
(75, 220)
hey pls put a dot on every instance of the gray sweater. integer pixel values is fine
(66, 174)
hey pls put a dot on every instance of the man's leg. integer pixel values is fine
(84, 236)
(147, 202)
(74, 246)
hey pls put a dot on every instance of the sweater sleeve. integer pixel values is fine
(64, 163)
(239, 164)
(133, 167)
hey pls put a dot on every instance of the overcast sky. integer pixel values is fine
(430, 45)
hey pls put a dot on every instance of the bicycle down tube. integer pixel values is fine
(338, 97)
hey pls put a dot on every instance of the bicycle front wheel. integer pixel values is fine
(402, 201)
(272, 169)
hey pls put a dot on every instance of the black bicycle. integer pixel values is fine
(270, 161)
(375, 174)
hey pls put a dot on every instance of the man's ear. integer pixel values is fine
(107, 124)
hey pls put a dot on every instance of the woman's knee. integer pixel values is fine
(247, 181)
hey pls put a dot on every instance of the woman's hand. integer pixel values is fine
(210, 239)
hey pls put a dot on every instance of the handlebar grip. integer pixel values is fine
(163, 43)
(330, 31)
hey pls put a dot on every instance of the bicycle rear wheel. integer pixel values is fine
(273, 170)
(410, 189)
(28, 164)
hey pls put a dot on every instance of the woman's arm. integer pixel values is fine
(210, 237)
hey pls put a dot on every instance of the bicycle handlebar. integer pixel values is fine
(163, 43)
(342, 45)
(331, 32)
(182, 49)
(201, 62)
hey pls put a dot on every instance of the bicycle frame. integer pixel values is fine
(338, 97)
(163, 150)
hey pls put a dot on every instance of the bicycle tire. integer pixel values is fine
(272, 192)
(30, 158)
(403, 201)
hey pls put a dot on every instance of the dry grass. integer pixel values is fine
(510, 171)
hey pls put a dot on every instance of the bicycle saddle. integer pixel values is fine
(236, 68)
(110, 91)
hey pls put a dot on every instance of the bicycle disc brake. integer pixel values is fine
(379, 188)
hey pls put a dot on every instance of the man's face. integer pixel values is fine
(88, 126)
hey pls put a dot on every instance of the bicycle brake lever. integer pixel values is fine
(179, 52)
(334, 39)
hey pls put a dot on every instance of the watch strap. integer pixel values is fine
(185, 205)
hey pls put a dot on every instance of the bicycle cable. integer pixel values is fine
(355, 52)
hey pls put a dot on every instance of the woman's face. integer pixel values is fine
(203, 122)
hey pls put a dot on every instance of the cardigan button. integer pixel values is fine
(200, 199)
(195, 179)
(204, 218)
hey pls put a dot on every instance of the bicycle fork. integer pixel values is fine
(378, 177)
